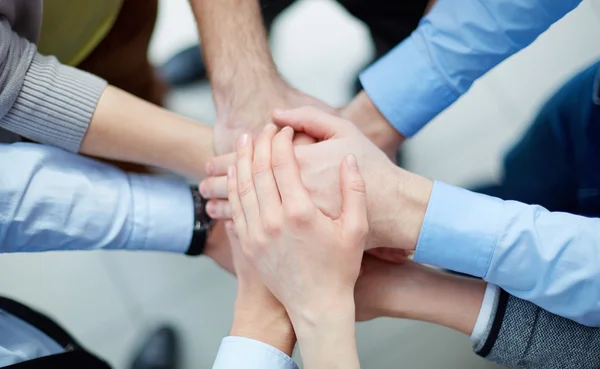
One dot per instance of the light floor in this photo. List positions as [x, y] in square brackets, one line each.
[109, 300]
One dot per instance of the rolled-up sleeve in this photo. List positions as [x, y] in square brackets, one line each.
[549, 258]
[456, 43]
[54, 200]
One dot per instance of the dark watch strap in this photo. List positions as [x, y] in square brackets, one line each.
[202, 224]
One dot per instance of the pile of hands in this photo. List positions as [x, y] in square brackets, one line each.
[308, 243]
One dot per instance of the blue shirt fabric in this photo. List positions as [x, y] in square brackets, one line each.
[549, 258]
[456, 43]
[54, 200]
[246, 353]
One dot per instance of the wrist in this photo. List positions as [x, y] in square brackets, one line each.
[263, 320]
[367, 117]
[326, 313]
[397, 211]
[243, 91]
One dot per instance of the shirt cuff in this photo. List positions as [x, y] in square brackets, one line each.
[163, 214]
[246, 353]
[485, 313]
[460, 230]
[406, 88]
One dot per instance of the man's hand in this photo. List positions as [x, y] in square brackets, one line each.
[250, 110]
[365, 115]
[217, 247]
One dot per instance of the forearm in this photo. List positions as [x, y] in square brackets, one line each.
[130, 129]
[548, 258]
[435, 297]
[365, 115]
[328, 339]
[55, 200]
[236, 49]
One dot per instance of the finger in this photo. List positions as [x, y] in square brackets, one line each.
[303, 139]
[217, 166]
[287, 173]
[219, 209]
[237, 211]
[245, 183]
[214, 188]
[354, 198]
[264, 180]
[312, 121]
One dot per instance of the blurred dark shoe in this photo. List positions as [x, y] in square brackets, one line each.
[185, 67]
[159, 351]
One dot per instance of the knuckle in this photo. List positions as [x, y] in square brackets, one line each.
[272, 227]
[299, 214]
[245, 187]
[259, 241]
[358, 185]
[260, 167]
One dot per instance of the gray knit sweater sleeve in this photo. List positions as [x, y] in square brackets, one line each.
[40, 98]
[520, 334]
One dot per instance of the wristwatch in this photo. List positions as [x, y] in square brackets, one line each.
[202, 224]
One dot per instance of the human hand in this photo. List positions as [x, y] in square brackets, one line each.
[364, 114]
[252, 110]
[397, 200]
[281, 229]
[257, 313]
[218, 248]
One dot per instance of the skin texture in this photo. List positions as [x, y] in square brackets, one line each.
[127, 128]
[412, 291]
[280, 228]
[257, 313]
[393, 194]
[246, 83]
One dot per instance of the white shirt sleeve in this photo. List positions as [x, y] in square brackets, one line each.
[246, 353]
[485, 313]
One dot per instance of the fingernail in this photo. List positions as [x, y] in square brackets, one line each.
[268, 127]
[230, 171]
[209, 168]
[230, 226]
[278, 112]
[287, 129]
[351, 162]
[243, 140]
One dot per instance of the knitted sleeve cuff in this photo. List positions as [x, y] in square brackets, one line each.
[55, 105]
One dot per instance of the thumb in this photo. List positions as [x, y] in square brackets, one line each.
[312, 121]
[354, 198]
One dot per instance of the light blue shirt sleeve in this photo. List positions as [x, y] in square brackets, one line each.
[54, 200]
[246, 353]
[456, 43]
[549, 258]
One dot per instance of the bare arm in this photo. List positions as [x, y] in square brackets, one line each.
[414, 291]
[246, 84]
[127, 128]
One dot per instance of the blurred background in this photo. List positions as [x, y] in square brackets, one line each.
[110, 300]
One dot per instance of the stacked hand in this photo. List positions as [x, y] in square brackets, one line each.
[303, 218]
